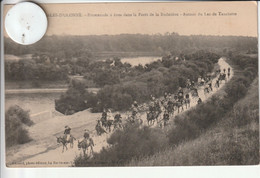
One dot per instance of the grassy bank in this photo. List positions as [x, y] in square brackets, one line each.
[233, 141]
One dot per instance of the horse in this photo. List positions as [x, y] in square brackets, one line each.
[99, 129]
[194, 93]
[84, 144]
[222, 77]
[103, 120]
[187, 102]
[166, 118]
[117, 122]
[108, 125]
[134, 120]
[179, 104]
[170, 108]
[151, 117]
[65, 142]
[217, 84]
[206, 90]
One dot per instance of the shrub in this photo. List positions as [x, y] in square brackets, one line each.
[15, 120]
[235, 91]
[76, 98]
[126, 144]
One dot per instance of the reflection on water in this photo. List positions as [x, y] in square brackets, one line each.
[140, 60]
[35, 102]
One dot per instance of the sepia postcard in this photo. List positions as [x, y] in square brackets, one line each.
[135, 84]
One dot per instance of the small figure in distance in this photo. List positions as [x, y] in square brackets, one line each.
[199, 101]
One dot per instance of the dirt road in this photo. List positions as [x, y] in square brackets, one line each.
[44, 151]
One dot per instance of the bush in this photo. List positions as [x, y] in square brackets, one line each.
[126, 144]
[76, 98]
[15, 120]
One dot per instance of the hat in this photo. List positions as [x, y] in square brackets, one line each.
[66, 126]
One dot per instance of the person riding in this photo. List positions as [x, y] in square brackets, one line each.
[210, 85]
[199, 101]
[224, 70]
[229, 70]
[109, 115]
[187, 99]
[99, 129]
[180, 90]
[104, 114]
[166, 117]
[170, 106]
[158, 106]
[134, 109]
[188, 83]
[117, 117]
[187, 96]
[165, 95]
[67, 133]
[217, 83]
[175, 97]
[202, 80]
[86, 134]
[192, 85]
[180, 94]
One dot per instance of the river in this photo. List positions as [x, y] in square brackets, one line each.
[135, 61]
[41, 100]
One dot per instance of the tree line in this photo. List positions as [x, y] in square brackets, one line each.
[69, 46]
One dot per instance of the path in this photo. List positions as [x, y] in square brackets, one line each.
[35, 154]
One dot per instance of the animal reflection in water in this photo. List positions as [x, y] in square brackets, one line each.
[85, 144]
[64, 142]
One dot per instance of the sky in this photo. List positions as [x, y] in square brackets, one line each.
[241, 21]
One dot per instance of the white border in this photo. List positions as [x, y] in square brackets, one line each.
[131, 172]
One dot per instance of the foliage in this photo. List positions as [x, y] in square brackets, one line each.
[76, 98]
[155, 80]
[15, 120]
[146, 141]
[237, 144]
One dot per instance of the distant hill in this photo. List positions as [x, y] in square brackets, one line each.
[158, 44]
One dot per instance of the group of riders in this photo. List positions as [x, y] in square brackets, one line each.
[159, 109]
[69, 139]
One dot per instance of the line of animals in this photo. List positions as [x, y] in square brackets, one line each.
[159, 110]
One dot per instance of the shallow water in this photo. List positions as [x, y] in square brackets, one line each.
[135, 61]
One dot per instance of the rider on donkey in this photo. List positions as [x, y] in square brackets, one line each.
[86, 134]
[109, 115]
[134, 109]
[199, 101]
[67, 133]
[180, 94]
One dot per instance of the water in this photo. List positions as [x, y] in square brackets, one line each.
[135, 61]
[42, 102]
[34, 102]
